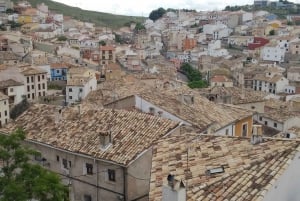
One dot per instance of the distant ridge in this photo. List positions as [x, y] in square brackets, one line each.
[99, 18]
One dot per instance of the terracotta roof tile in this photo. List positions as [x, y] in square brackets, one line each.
[33, 71]
[107, 47]
[9, 83]
[249, 170]
[239, 96]
[3, 96]
[79, 131]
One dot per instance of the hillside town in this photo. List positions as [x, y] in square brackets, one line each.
[194, 105]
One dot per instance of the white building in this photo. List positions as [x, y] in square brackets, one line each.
[217, 31]
[35, 83]
[270, 82]
[14, 90]
[78, 88]
[273, 53]
[278, 120]
[215, 49]
[4, 109]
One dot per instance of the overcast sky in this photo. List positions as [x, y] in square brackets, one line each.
[144, 7]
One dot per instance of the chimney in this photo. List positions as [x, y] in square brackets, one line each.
[187, 99]
[79, 109]
[256, 137]
[105, 138]
[174, 190]
[58, 115]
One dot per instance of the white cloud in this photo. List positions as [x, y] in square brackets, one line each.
[143, 7]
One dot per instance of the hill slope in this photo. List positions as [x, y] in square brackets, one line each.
[99, 18]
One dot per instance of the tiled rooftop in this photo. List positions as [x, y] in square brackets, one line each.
[9, 83]
[59, 65]
[3, 96]
[239, 96]
[202, 113]
[107, 47]
[220, 78]
[79, 131]
[273, 79]
[279, 110]
[78, 81]
[33, 71]
[249, 170]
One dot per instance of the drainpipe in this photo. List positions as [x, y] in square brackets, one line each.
[97, 180]
[125, 181]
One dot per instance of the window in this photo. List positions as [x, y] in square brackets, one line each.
[28, 95]
[32, 96]
[65, 163]
[87, 198]
[111, 175]
[70, 90]
[32, 86]
[28, 79]
[226, 131]
[44, 93]
[70, 97]
[266, 123]
[80, 90]
[40, 94]
[275, 125]
[43, 85]
[70, 164]
[43, 77]
[31, 78]
[39, 78]
[89, 168]
[57, 158]
[11, 89]
[39, 86]
[260, 118]
[4, 102]
[57, 71]
[245, 130]
[5, 112]
[28, 88]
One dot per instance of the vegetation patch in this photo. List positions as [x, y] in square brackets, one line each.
[194, 76]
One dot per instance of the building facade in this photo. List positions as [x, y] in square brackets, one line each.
[4, 109]
[35, 83]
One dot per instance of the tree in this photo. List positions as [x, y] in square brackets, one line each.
[139, 26]
[156, 14]
[62, 38]
[272, 32]
[102, 43]
[198, 84]
[194, 76]
[21, 180]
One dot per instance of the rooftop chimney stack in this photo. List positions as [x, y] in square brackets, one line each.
[174, 190]
[256, 137]
[105, 139]
[58, 116]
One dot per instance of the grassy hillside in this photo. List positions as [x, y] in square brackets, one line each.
[99, 18]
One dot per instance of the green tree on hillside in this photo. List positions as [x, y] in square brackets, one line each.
[156, 14]
[21, 180]
[272, 32]
[194, 76]
[139, 26]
